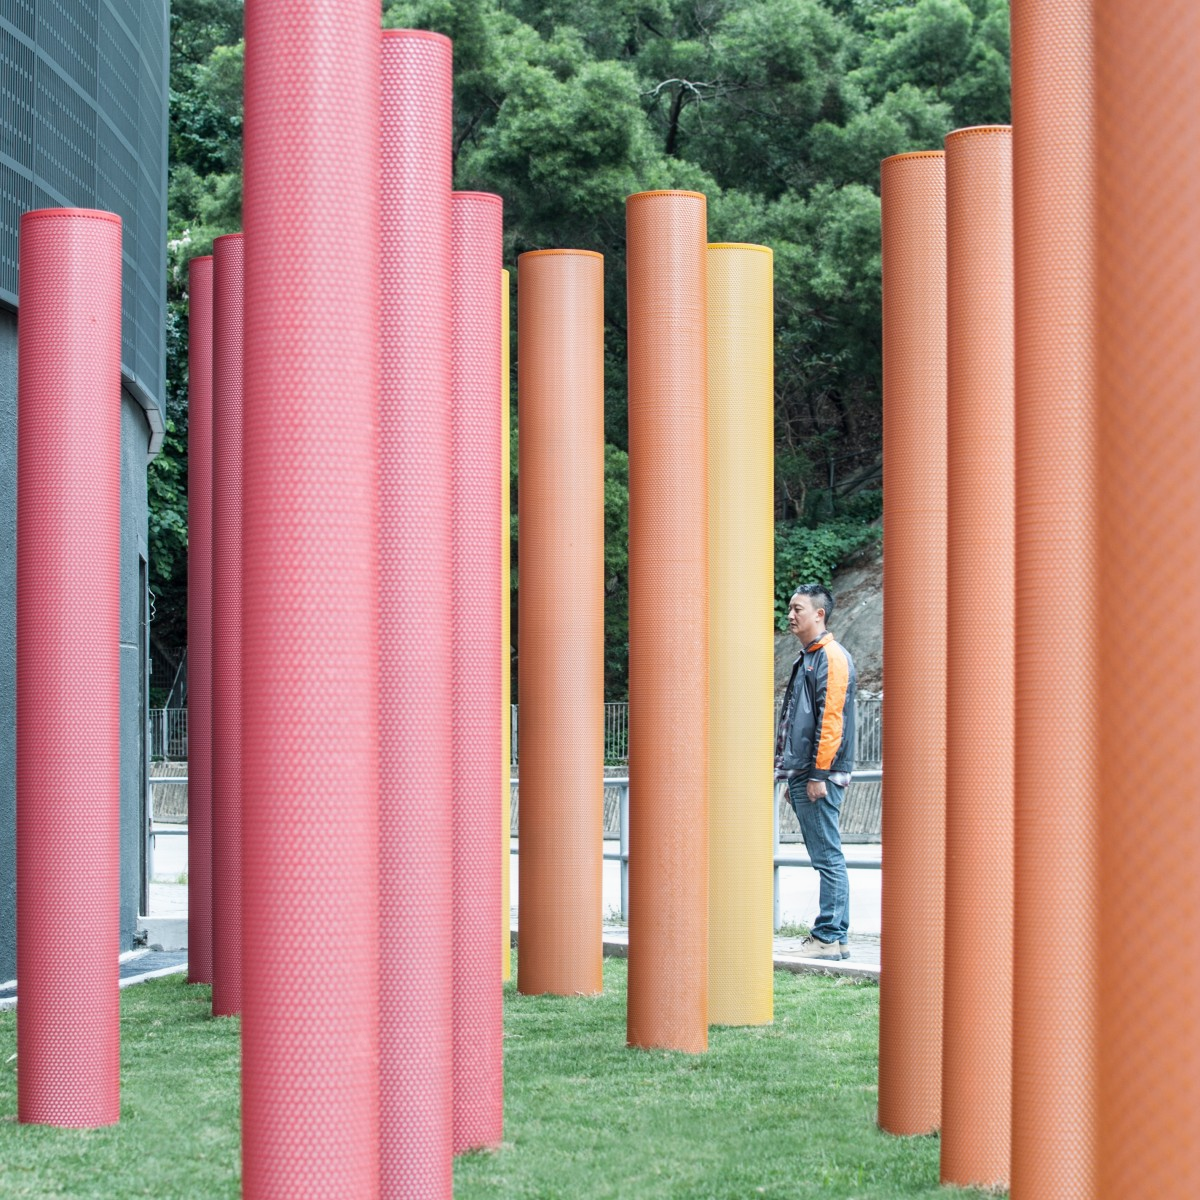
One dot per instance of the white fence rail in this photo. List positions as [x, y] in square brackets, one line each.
[169, 732]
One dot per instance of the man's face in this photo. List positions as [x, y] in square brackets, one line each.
[803, 620]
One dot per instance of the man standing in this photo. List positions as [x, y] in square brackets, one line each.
[814, 754]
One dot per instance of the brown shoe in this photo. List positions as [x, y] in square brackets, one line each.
[813, 947]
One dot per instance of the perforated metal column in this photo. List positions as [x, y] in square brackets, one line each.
[310, 612]
[505, 634]
[1149, 361]
[914, 630]
[68, 668]
[560, 388]
[476, 238]
[981, 633]
[199, 654]
[417, 612]
[741, 631]
[228, 273]
[668, 621]
[1057, 587]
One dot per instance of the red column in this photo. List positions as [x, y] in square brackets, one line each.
[476, 235]
[68, 667]
[228, 262]
[416, 716]
[310, 604]
[199, 664]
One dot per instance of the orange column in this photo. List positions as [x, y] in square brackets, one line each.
[668, 621]
[981, 632]
[560, 389]
[914, 631]
[1149, 363]
[1058, 692]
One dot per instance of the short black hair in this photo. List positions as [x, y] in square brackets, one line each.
[820, 595]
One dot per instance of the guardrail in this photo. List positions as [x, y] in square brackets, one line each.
[778, 860]
[152, 833]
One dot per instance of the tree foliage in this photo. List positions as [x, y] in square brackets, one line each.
[779, 110]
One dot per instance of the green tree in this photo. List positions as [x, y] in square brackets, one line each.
[778, 110]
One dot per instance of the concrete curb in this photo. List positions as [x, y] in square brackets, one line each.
[618, 947]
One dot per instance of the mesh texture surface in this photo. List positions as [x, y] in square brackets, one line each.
[415, 618]
[560, 361]
[668, 621]
[68, 670]
[741, 633]
[476, 240]
[1057, 576]
[228, 272]
[914, 629]
[505, 631]
[199, 692]
[977, 1030]
[1148, 100]
[310, 613]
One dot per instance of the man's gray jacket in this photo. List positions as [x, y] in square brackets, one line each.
[816, 733]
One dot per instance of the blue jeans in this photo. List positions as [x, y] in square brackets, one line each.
[819, 825]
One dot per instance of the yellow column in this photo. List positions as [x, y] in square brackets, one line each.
[741, 384]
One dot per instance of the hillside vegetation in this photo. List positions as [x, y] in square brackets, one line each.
[779, 110]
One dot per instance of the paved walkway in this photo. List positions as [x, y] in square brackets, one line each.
[863, 962]
[135, 967]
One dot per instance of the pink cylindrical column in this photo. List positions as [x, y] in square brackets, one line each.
[476, 236]
[310, 603]
[199, 653]
[227, 626]
[68, 667]
[416, 716]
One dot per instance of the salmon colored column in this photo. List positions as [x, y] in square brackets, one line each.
[228, 271]
[199, 654]
[914, 630]
[417, 612]
[1149, 361]
[668, 621]
[505, 633]
[981, 635]
[310, 603]
[1057, 589]
[741, 632]
[476, 224]
[68, 695]
[560, 323]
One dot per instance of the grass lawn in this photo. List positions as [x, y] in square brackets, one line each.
[783, 1111]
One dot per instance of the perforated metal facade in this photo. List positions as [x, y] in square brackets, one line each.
[83, 122]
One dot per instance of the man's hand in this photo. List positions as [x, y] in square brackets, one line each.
[816, 789]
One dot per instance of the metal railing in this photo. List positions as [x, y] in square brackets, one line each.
[868, 731]
[621, 854]
[168, 733]
[155, 832]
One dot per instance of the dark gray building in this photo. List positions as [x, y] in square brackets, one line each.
[83, 123]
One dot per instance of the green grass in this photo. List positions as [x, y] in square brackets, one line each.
[786, 1110]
